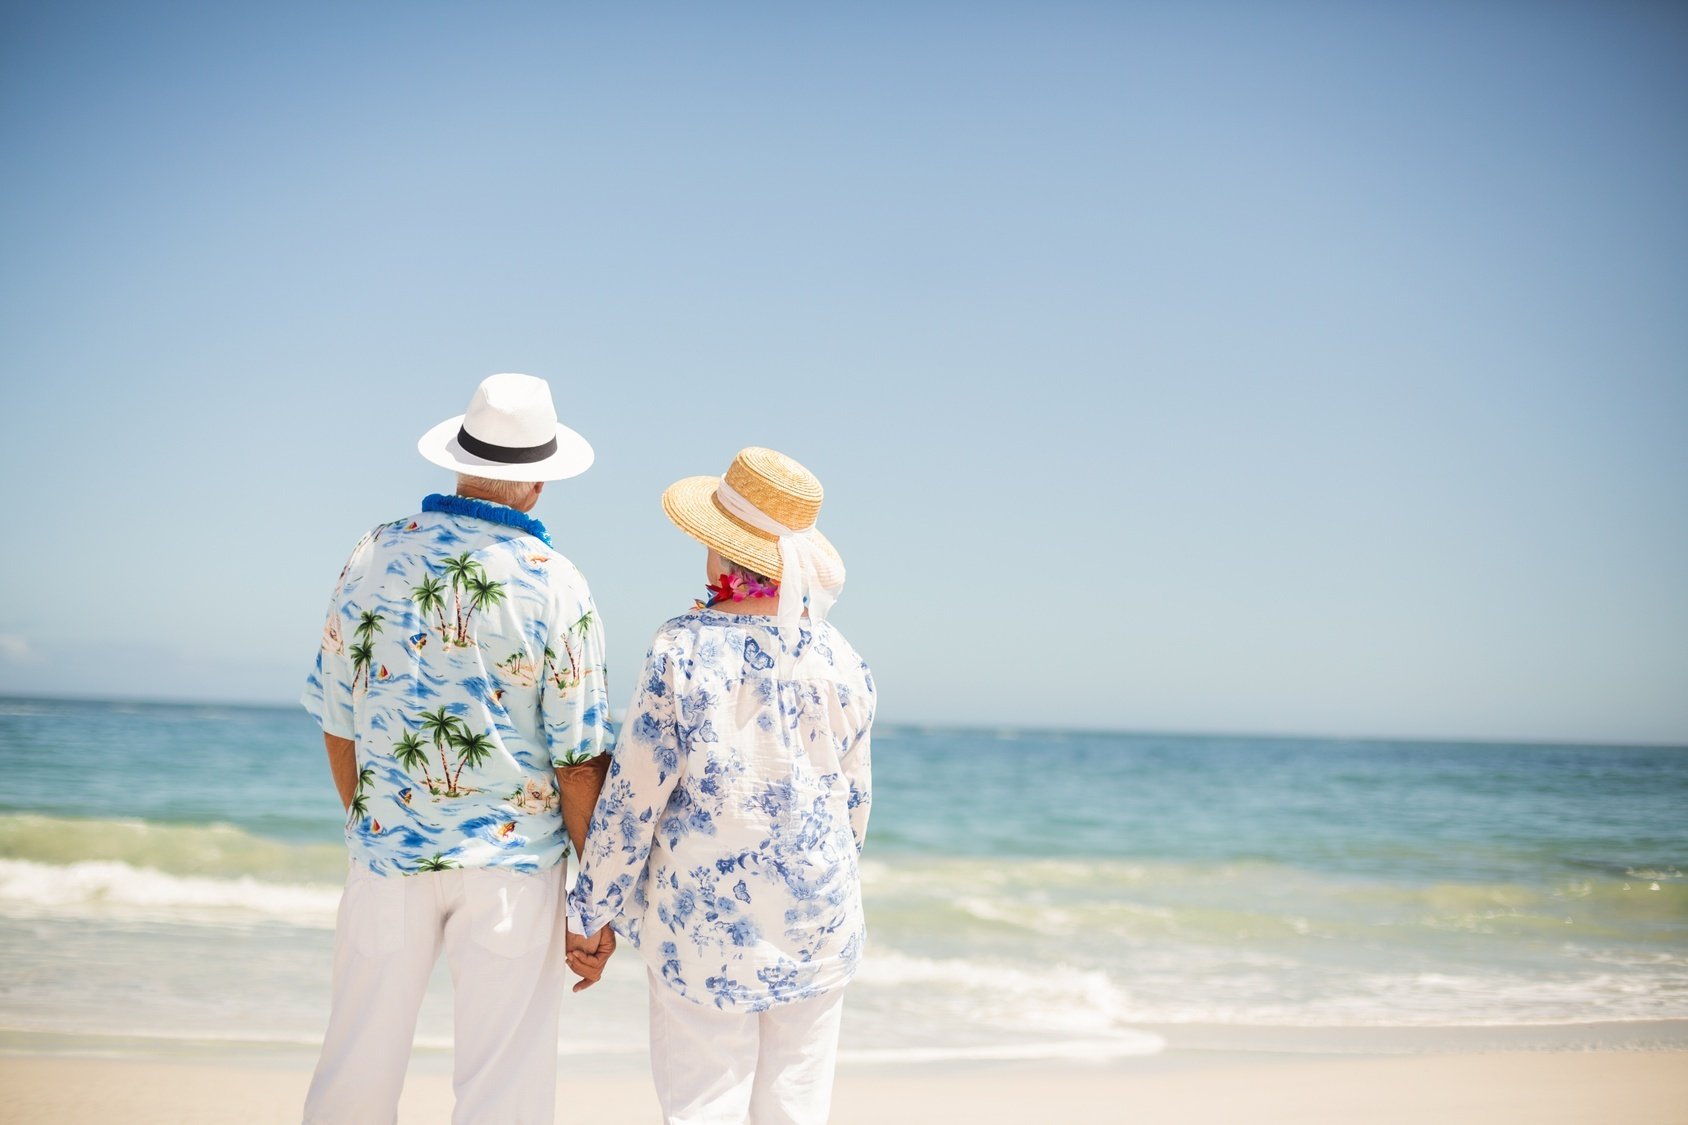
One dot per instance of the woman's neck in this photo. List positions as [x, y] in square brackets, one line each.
[753, 607]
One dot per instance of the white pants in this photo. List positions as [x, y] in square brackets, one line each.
[503, 936]
[727, 1068]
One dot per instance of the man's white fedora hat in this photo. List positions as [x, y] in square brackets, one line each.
[510, 432]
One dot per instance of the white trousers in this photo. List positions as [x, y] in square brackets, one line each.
[727, 1068]
[503, 936]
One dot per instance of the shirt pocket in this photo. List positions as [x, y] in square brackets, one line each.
[372, 907]
[512, 914]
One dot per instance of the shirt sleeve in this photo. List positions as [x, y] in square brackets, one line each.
[574, 695]
[857, 764]
[642, 775]
[328, 689]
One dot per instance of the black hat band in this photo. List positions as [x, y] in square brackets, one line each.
[504, 454]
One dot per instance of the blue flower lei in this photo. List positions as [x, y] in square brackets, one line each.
[486, 510]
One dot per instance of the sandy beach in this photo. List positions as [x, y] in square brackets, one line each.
[1538, 1087]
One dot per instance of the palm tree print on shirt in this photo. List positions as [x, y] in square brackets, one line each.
[472, 750]
[446, 730]
[577, 757]
[363, 651]
[555, 674]
[369, 624]
[441, 726]
[359, 806]
[411, 753]
[471, 590]
[484, 592]
[518, 669]
[460, 570]
[429, 597]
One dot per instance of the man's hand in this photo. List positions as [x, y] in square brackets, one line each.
[588, 955]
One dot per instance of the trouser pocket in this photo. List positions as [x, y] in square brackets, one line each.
[511, 914]
[372, 911]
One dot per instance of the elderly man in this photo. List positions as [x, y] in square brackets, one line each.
[460, 689]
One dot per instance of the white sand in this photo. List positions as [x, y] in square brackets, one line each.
[1535, 1087]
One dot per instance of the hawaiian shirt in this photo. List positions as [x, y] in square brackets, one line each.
[726, 839]
[463, 655]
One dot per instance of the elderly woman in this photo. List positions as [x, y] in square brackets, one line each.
[725, 843]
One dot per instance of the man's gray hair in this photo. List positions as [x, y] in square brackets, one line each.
[505, 492]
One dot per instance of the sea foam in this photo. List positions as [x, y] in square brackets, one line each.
[104, 887]
[216, 850]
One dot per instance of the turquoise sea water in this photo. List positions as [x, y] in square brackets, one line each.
[172, 872]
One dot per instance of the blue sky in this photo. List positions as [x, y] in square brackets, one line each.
[1259, 367]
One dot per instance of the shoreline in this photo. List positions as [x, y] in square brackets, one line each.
[1183, 1047]
[1195, 1040]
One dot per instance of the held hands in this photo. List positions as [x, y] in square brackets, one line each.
[588, 955]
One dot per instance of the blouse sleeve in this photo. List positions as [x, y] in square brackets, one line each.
[643, 771]
[857, 764]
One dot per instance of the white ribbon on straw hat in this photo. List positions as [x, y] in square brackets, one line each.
[804, 564]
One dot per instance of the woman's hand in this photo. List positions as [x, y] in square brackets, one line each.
[587, 956]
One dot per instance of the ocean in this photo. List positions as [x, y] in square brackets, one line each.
[169, 876]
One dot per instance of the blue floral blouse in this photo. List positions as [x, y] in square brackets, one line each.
[725, 843]
[463, 655]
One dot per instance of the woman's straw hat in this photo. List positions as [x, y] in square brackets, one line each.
[781, 490]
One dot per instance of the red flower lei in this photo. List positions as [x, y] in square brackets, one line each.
[736, 588]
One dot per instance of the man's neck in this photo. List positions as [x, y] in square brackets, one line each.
[471, 494]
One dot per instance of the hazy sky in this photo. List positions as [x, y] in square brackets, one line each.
[1259, 367]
